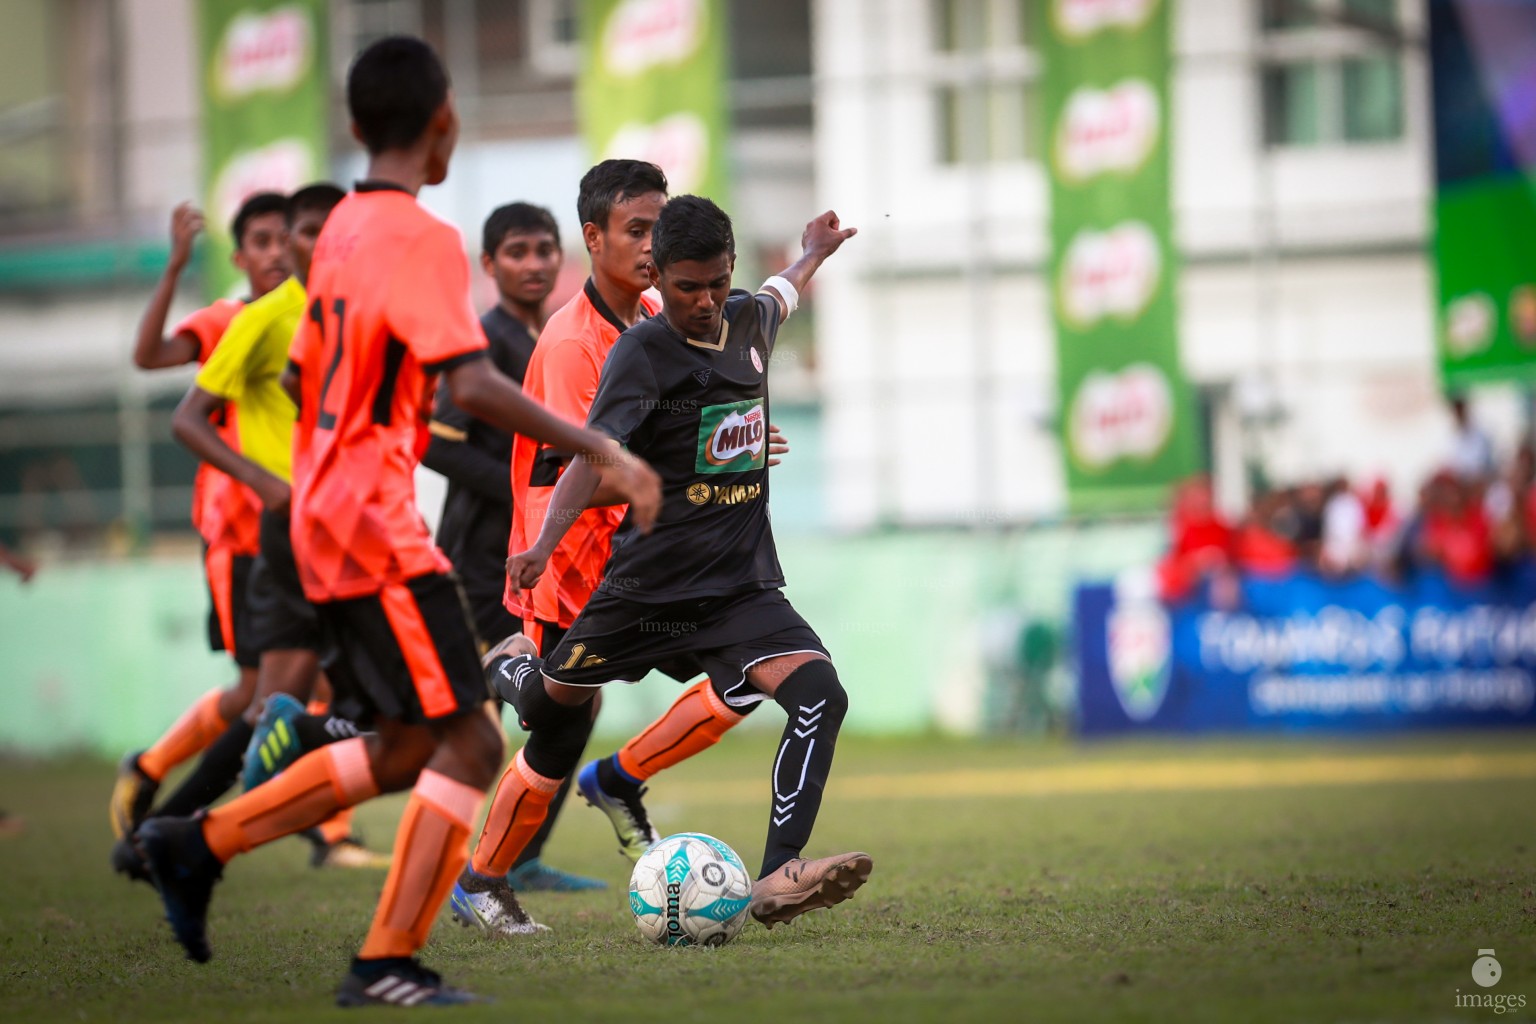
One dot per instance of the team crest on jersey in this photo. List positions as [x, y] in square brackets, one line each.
[732, 438]
[757, 361]
[702, 376]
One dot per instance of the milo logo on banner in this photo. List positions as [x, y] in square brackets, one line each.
[679, 145]
[1107, 130]
[1081, 18]
[732, 438]
[263, 51]
[1110, 273]
[644, 33]
[1120, 415]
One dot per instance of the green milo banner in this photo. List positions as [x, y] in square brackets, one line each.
[1485, 189]
[1127, 416]
[266, 91]
[653, 87]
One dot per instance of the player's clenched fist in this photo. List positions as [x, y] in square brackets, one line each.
[186, 225]
[824, 235]
[524, 570]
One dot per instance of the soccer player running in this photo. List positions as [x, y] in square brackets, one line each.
[243, 375]
[688, 391]
[388, 309]
[223, 512]
[521, 253]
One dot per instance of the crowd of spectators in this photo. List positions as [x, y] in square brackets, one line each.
[1471, 517]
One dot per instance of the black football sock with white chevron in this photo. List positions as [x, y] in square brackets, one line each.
[815, 703]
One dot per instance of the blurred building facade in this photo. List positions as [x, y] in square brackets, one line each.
[1301, 199]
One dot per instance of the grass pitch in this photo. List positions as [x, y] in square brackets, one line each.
[1301, 881]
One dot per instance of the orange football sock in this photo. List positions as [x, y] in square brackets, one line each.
[430, 850]
[694, 722]
[337, 827]
[313, 788]
[198, 726]
[517, 810]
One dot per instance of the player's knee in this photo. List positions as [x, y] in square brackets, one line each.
[558, 732]
[398, 755]
[814, 685]
[509, 675]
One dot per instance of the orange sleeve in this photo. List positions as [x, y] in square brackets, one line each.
[429, 307]
[207, 326]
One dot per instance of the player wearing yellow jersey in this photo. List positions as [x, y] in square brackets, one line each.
[244, 374]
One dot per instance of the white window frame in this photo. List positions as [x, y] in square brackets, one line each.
[977, 71]
[547, 55]
[1328, 45]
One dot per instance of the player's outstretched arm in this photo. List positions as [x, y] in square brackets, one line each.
[573, 494]
[481, 390]
[822, 237]
[151, 349]
[191, 427]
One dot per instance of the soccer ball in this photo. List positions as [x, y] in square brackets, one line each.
[690, 890]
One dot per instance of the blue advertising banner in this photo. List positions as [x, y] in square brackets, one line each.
[1305, 653]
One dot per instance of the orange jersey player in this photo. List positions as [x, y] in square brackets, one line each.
[389, 312]
[618, 202]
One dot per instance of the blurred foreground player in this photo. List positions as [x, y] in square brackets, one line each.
[223, 512]
[388, 309]
[688, 390]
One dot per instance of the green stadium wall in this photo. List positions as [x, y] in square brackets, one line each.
[101, 657]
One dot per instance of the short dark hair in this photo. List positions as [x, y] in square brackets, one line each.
[322, 196]
[393, 89]
[516, 219]
[258, 204]
[691, 228]
[612, 182]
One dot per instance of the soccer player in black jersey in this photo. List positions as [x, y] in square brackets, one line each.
[520, 250]
[688, 390]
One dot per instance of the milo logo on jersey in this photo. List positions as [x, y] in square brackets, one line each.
[732, 438]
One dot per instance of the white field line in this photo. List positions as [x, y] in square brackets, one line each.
[1135, 777]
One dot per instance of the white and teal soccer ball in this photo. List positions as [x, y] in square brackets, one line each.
[690, 890]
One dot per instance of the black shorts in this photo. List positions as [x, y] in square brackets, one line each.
[614, 639]
[282, 619]
[546, 635]
[229, 612]
[407, 653]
